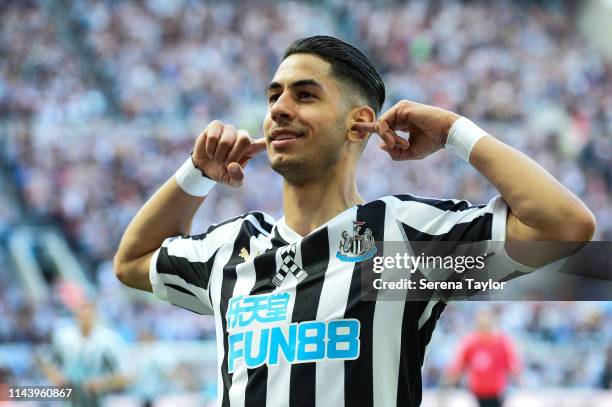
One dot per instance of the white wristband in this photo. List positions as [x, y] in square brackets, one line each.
[462, 137]
[192, 180]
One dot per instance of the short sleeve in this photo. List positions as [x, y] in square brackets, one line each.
[498, 255]
[180, 269]
[441, 228]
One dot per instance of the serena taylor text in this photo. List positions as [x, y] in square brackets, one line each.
[425, 284]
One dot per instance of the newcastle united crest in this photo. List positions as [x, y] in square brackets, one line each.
[356, 247]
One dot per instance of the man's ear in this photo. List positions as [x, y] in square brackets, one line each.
[362, 114]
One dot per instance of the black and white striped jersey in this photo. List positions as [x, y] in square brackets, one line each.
[292, 328]
[82, 358]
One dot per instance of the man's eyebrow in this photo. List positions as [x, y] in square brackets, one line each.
[301, 82]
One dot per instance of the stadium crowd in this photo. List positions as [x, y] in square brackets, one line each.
[523, 73]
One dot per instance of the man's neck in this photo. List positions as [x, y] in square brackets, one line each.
[310, 205]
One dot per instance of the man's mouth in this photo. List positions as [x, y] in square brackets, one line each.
[284, 134]
[283, 137]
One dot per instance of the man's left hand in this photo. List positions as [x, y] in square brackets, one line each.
[427, 126]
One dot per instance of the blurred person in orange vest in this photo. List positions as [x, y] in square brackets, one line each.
[489, 358]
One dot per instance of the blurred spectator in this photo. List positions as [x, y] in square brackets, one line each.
[88, 358]
[606, 374]
[534, 82]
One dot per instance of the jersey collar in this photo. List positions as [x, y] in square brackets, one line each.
[288, 234]
[291, 236]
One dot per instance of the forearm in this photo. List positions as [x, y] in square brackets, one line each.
[534, 196]
[167, 213]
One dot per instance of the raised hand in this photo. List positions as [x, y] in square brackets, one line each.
[427, 126]
[222, 152]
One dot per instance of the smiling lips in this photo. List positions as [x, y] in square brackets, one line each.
[283, 137]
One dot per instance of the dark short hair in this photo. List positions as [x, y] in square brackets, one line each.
[348, 64]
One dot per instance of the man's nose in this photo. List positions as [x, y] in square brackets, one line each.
[283, 109]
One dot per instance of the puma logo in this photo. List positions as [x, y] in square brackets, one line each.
[244, 253]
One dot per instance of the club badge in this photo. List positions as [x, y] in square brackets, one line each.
[358, 247]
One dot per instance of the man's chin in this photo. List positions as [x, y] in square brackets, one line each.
[291, 169]
[283, 163]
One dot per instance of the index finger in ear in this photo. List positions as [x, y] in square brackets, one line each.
[256, 147]
[371, 127]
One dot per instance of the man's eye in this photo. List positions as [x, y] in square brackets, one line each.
[305, 95]
[272, 98]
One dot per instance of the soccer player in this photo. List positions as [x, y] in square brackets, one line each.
[89, 358]
[292, 328]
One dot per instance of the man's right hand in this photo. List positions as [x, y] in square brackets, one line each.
[222, 152]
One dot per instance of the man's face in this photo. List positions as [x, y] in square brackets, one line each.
[306, 121]
[85, 316]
